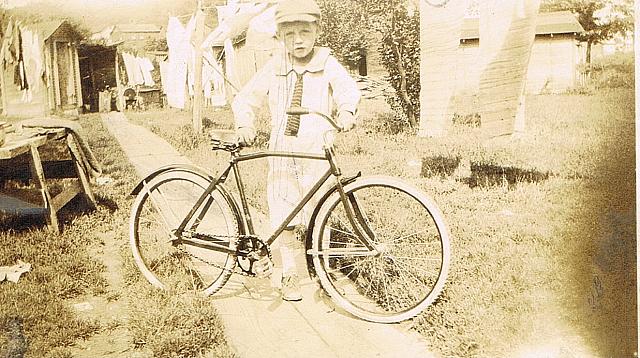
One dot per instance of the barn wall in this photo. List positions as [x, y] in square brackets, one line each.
[552, 67]
[553, 64]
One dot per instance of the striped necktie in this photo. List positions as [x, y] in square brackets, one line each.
[293, 120]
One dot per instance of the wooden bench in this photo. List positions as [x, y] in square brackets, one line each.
[12, 167]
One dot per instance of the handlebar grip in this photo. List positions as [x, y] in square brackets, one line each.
[298, 111]
[303, 110]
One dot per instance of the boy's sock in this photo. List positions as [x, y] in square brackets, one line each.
[290, 284]
[287, 252]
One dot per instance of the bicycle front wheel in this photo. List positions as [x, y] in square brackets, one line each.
[168, 263]
[406, 270]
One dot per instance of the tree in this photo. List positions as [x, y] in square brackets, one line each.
[400, 50]
[401, 57]
[601, 19]
[344, 28]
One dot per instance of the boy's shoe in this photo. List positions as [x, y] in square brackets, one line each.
[291, 288]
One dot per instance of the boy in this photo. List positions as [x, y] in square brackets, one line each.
[304, 75]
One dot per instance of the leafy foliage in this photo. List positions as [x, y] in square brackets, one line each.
[601, 19]
[347, 26]
[344, 28]
[400, 51]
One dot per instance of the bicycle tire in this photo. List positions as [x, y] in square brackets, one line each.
[410, 271]
[157, 210]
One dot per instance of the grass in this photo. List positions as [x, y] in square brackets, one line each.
[36, 316]
[171, 325]
[544, 261]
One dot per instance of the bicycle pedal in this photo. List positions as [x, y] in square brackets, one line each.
[263, 267]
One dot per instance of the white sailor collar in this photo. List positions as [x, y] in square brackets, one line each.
[317, 63]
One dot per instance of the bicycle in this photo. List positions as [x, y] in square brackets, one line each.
[379, 246]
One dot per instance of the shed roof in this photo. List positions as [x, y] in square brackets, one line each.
[557, 22]
[47, 28]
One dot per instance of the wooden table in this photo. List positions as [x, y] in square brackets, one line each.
[39, 172]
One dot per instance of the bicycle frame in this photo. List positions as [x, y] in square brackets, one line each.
[354, 215]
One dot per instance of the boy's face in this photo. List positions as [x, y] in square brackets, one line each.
[299, 37]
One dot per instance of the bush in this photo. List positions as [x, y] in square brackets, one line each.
[614, 71]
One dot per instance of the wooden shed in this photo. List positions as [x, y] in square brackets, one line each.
[40, 71]
[555, 58]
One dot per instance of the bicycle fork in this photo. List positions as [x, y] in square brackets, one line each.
[357, 218]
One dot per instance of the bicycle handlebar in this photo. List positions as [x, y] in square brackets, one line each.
[232, 146]
[299, 111]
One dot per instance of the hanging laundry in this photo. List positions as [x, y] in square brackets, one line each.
[178, 41]
[32, 61]
[147, 67]
[164, 68]
[37, 60]
[216, 80]
[230, 55]
[8, 40]
[19, 77]
[137, 62]
[132, 66]
[14, 45]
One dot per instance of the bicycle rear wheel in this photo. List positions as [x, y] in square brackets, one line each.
[165, 262]
[408, 268]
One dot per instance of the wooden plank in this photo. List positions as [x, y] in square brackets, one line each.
[38, 174]
[78, 157]
[15, 146]
[56, 76]
[76, 66]
[70, 192]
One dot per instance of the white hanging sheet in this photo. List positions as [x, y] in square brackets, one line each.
[178, 41]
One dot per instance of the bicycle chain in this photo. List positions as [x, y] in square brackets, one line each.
[233, 271]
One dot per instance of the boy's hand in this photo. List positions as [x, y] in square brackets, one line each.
[245, 135]
[346, 120]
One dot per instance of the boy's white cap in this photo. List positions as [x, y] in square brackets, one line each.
[297, 10]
